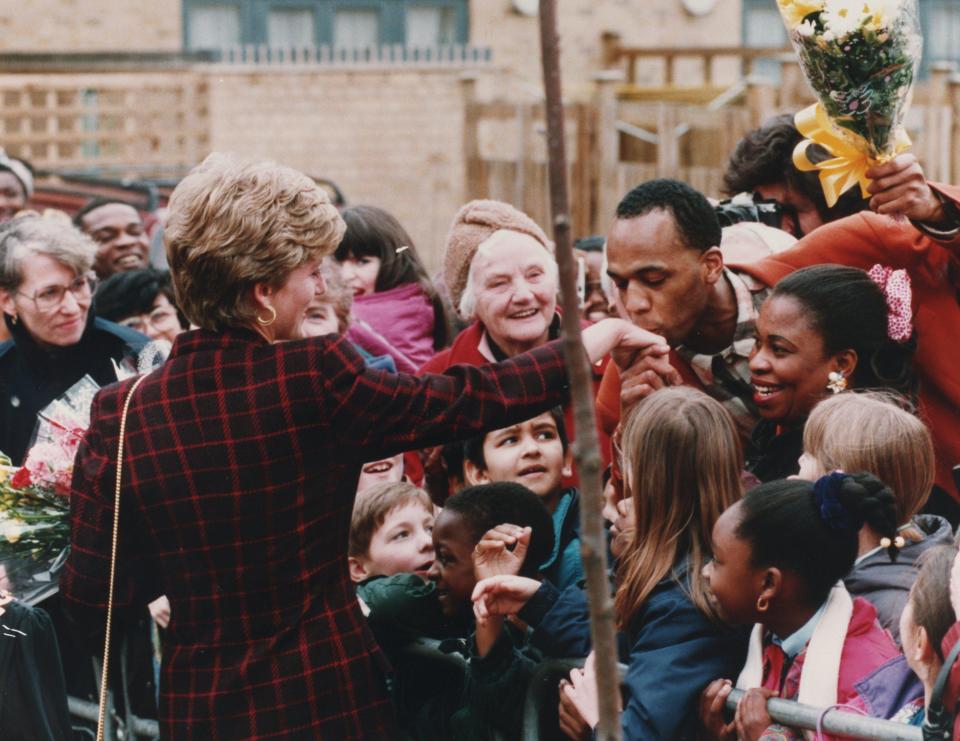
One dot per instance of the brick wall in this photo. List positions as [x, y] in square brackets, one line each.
[515, 38]
[155, 25]
[388, 136]
[392, 138]
[53, 26]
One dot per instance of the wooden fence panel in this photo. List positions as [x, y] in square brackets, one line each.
[522, 179]
[97, 121]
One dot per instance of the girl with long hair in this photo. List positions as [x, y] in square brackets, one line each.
[682, 463]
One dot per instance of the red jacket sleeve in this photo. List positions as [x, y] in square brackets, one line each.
[860, 241]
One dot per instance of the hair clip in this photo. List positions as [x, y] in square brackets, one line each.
[898, 293]
[831, 510]
[898, 542]
[401, 249]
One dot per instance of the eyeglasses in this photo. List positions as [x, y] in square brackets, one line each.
[155, 319]
[50, 298]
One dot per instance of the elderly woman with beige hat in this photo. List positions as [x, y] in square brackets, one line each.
[502, 276]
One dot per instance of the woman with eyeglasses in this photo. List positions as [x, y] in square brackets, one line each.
[46, 288]
[142, 300]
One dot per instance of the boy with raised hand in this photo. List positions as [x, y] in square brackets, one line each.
[536, 453]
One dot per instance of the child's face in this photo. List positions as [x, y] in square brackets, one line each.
[530, 453]
[453, 568]
[360, 273]
[376, 472]
[403, 544]
[733, 583]
[320, 319]
[910, 639]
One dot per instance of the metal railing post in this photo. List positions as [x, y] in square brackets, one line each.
[836, 721]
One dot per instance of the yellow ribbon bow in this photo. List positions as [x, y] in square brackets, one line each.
[848, 165]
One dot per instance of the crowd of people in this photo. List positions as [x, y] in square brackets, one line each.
[349, 502]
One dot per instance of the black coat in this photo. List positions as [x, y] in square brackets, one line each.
[772, 453]
[33, 697]
[32, 376]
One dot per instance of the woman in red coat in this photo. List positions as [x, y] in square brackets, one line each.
[241, 463]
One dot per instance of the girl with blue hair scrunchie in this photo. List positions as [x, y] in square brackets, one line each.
[779, 556]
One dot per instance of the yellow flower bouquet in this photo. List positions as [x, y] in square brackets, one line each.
[861, 59]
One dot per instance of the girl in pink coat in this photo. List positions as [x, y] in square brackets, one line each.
[391, 290]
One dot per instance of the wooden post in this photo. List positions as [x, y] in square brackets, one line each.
[955, 127]
[668, 60]
[523, 154]
[793, 85]
[609, 50]
[936, 152]
[472, 167]
[668, 159]
[586, 449]
[940, 73]
[761, 99]
[607, 158]
[582, 179]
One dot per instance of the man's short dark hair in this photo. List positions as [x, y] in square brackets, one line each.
[485, 506]
[764, 156]
[93, 204]
[694, 216]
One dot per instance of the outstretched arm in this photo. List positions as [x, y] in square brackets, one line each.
[383, 413]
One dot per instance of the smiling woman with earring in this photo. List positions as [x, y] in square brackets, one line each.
[823, 330]
[46, 289]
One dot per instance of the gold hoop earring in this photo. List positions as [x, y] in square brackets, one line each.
[267, 322]
[762, 604]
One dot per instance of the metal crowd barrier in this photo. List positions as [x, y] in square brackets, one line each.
[835, 722]
[540, 710]
[129, 727]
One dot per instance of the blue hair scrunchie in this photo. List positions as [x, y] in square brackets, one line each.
[825, 492]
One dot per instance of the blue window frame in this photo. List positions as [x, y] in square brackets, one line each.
[219, 23]
[940, 20]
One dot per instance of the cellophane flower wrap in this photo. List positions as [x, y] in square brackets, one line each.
[861, 58]
[35, 498]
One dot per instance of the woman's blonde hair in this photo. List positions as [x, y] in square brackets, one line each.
[682, 463]
[50, 235]
[874, 432]
[232, 224]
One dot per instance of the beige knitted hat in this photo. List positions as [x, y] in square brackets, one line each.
[474, 224]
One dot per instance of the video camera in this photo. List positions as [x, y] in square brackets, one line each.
[753, 207]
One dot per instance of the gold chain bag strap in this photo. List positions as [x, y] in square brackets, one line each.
[113, 561]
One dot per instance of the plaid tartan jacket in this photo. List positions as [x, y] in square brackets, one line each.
[240, 469]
